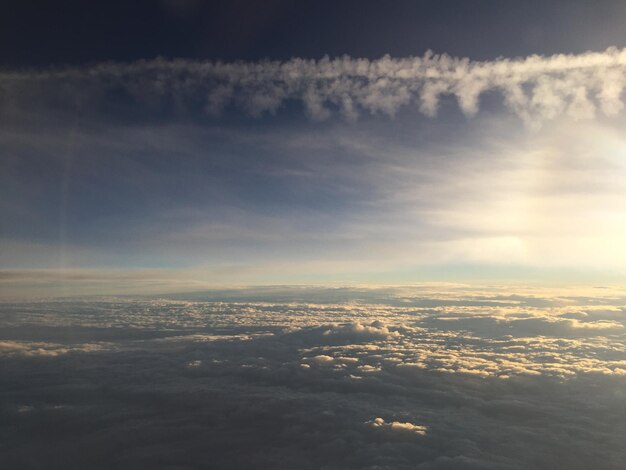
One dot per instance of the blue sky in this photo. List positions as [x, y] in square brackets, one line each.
[231, 161]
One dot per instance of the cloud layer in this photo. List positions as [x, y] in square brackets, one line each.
[535, 88]
[445, 377]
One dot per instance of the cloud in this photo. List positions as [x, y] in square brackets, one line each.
[535, 88]
[398, 427]
[29, 349]
[283, 203]
[359, 332]
[251, 379]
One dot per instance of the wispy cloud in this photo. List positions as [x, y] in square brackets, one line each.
[495, 196]
[535, 88]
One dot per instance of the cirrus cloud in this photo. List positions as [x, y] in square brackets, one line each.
[535, 88]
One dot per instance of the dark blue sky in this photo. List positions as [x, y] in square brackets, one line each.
[78, 32]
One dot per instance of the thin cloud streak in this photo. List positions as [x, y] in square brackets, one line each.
[536, 88]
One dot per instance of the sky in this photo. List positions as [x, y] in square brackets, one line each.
[314, 234]
[179, 145]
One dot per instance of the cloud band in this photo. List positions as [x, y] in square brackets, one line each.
[535, 88]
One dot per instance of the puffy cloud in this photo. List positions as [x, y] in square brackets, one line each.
[412, 377]
[30, 349]
[398, 427]
[535, 88]
[358, 331]
[322, 359]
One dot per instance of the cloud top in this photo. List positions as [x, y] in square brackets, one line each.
[431, 376]
[395, 426]
[535, 88]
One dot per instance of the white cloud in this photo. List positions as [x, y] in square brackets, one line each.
[535, 88]
[431, 376]
[45, 349]
[396, 426]
[322, 359]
